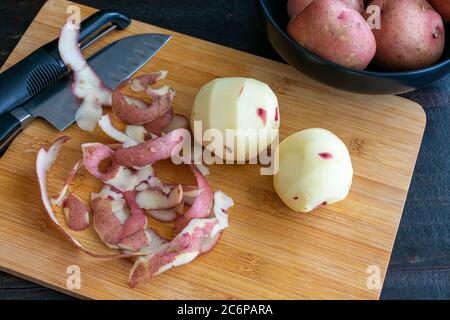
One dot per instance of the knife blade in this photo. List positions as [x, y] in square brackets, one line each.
[57, 104]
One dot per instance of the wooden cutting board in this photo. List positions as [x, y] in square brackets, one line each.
[269, 252]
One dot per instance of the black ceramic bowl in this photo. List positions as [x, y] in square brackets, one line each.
[370, 81]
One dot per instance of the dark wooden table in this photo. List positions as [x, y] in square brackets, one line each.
[420, 264]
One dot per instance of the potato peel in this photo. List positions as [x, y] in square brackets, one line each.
[131, 193]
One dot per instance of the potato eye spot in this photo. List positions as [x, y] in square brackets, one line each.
[261, 113]
[326, 155]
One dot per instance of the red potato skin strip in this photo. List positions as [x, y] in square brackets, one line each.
[170, 200]
[134, 242]
[130, 113]
[190, 193]
[87, 84]
[140, 83]
[120, 177]
[155, 241]
[201, 207]
[93, 155]
[59, 198]
[71, 55]
[163, 256]
[77, 213]
[178, 121]
[69, 36]
[106, 125]
[167, 123]
[130, 237]
[158, 124]
[199, 237]
[163, 215]
[210, 243]
[98, 90]
[189, 242]
[137, 220]
[46, 156]
[150, 151]
[106, 224]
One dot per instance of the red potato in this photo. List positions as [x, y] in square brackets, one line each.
[411, 36]
[335, 32]
[443, 8]
[358, 5]
[294, 7]
[297, 6]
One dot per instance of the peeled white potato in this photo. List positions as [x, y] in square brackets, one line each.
[236, 103]
[315, 169]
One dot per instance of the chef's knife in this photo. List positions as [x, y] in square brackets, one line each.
[43, 67]
[57, 104]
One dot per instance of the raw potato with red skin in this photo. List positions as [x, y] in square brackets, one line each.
[336, 32]
[294, 7]
[412, 35]
[120, 209]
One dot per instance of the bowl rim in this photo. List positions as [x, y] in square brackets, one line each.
[297, 46]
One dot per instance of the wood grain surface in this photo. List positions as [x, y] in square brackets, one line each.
[269, 251]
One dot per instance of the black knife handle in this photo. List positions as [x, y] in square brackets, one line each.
[10, 127]
[27, 78]
[43, 67]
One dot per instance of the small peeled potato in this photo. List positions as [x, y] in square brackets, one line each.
[315, 169]
[240, 105]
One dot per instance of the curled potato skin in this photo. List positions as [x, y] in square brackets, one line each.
[135, 111]
[150, 151]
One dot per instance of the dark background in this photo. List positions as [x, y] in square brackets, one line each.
[420, 263]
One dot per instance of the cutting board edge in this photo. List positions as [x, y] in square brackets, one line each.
[74, 294]
[48, 285]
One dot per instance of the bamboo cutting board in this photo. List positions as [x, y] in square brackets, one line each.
[269, 252]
